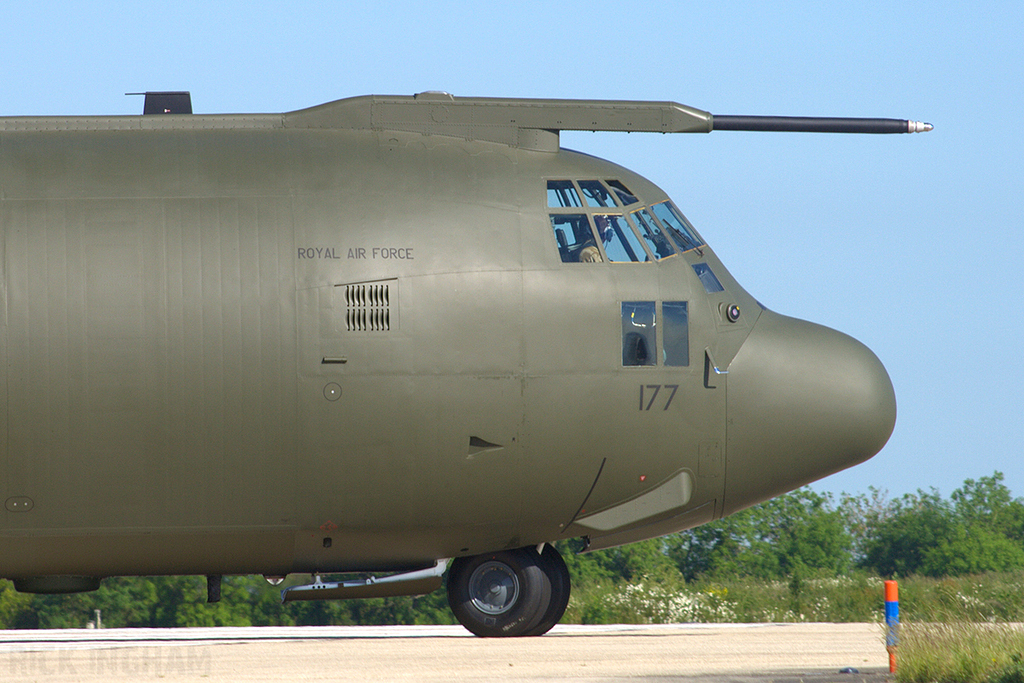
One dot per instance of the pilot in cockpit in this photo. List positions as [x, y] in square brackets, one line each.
[604, 229]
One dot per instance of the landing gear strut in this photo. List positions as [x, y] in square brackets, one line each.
[509, 593]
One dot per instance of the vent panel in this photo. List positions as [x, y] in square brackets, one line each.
[368, 307]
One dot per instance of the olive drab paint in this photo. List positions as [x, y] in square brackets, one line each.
[378, 335]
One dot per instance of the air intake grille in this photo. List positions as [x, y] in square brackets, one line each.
[368, 307]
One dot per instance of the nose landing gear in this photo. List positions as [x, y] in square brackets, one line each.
[509, 593]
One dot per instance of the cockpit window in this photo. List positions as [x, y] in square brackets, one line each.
[676, 225]
[651, 233]
[624, 195]
[562, 194]
[675, 316]
[596, 195]
[639, 338]
[591, 226]
[707, 278]
[619, 241]
[576, 243]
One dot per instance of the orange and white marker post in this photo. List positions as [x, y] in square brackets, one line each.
[892, 621]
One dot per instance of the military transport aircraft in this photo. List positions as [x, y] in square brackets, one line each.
[390, 335]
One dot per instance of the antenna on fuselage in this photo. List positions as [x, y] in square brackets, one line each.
[535, 124]
[165, 102]
[817, 124]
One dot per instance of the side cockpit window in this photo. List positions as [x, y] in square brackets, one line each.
[677, 333]
[640, 333]
[707, 278]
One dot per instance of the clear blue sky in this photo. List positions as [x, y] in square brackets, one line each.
[912, 244]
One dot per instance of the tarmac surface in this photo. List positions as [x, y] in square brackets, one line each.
[695, 653]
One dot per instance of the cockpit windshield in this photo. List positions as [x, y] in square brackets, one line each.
[624, 195]
[676, 225]
[652, 234]
[562, 194]
[597, 221]
[618, 239]
[596, 194]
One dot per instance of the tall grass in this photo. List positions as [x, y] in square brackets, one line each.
[960, 652]
[843, 599]
[962, 630]
[855, 598]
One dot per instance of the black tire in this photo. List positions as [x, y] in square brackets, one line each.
[502, 594]
[557, 573]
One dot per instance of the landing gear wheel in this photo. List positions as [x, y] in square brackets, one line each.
[499, 594]
[558, 575]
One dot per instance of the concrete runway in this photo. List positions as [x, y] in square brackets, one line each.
[713, 653]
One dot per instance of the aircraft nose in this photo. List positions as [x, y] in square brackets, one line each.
[804, 401]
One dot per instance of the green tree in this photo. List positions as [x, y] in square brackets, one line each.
[15, 607]
[987, 503]
[800, 532]
[901, 535]
[624, 563]
[976, 550]
[979, 529]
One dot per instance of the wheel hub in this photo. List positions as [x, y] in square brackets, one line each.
[494, 588]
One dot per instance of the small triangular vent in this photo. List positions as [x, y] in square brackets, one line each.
[478, 445]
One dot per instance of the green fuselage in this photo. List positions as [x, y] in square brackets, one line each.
[235, 346]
